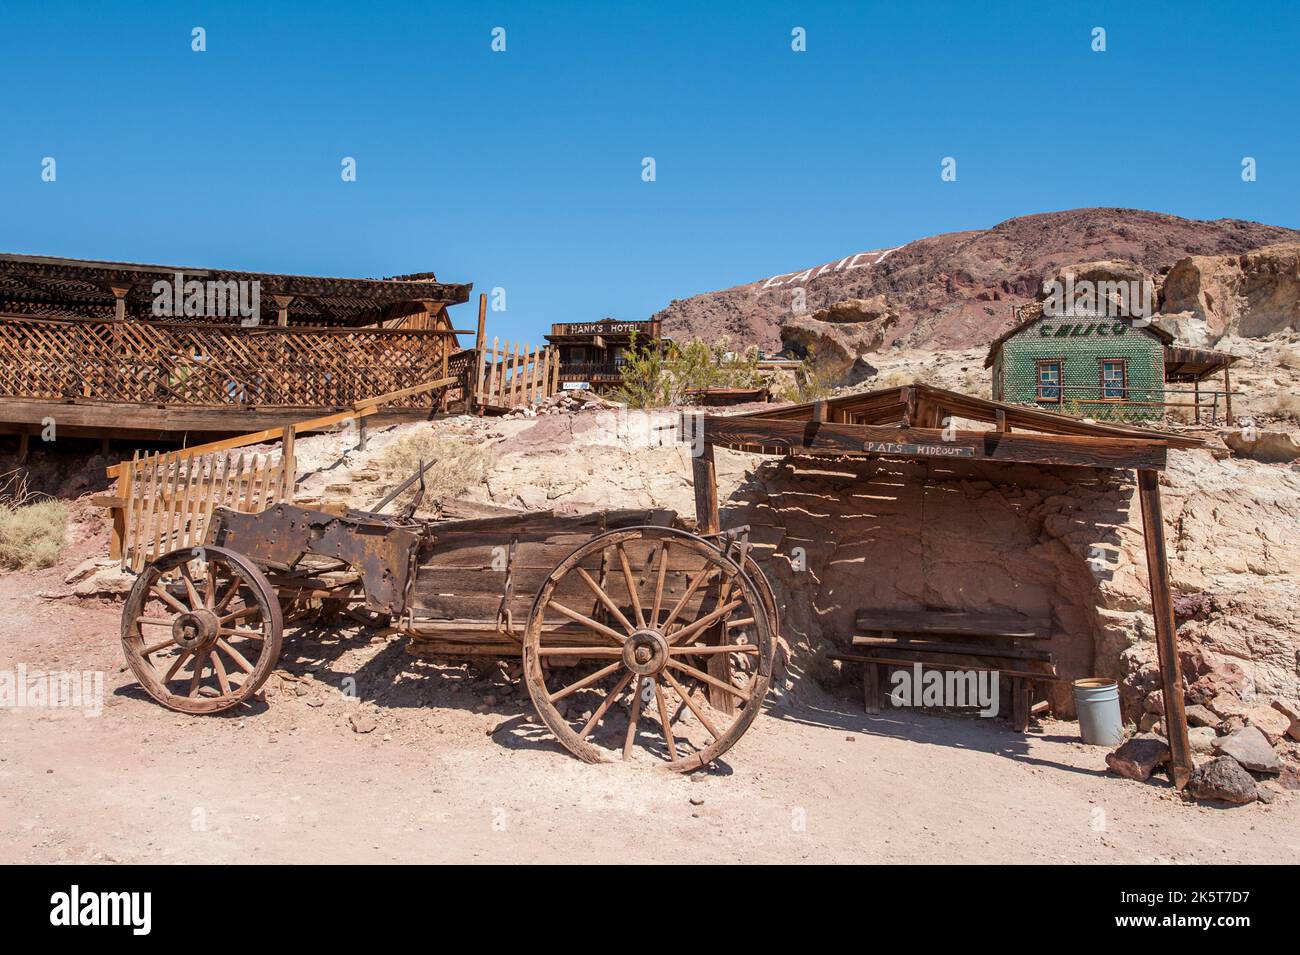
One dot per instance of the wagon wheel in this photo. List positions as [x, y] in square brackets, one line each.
[640, 643]
[201, 629]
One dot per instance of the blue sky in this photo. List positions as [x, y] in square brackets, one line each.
[522, 169]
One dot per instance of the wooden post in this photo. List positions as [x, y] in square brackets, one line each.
[1227, 396]
[288, 465]
[282, 303]
[119, 305]
[1196, 398]
[871, 688]
[1162, 610]
[705, 476]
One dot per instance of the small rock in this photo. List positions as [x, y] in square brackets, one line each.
[362, 723]
[1138, 758]
[851, 739]
[1150, 723]
[1274, 724]
[302, 689]
[1267, 792]
[1155, 703]
[1201, 739]
[1223, 779]
[1249, 747]
[1198, 715]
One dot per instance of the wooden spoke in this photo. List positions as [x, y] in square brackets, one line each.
[580, 651]
[240, 614]
[741, 622]
[209, 584]
[586, 681]
[220, 669]
[686, 698]
[604, 598]
[196, 601]
[150, 651]
[168, 599]
[235, 655]
[637, 689]
[154, 622]
[711, 680]
[659, 585]
[694, 650]
[631, 585]
[199, 664]
[704, 622]
[176, 665]
[586, 621]
[605, 705]
[236, 632]
[226, 597]
[665, 722]
[694, 585]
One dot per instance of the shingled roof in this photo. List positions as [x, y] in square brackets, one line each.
[55, 287]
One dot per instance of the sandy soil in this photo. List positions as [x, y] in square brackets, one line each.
[446, 777]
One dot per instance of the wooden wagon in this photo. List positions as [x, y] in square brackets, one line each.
[636, 636]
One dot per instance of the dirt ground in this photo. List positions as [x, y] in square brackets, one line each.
[457, 769]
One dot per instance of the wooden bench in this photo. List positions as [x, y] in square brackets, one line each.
[1011, 644]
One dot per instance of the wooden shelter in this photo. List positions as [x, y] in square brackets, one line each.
[922, 423]
[114, 349]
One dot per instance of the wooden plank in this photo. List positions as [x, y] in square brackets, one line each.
[930, 444]
[1162, 611]
[935, 646]
[951, 661]
[956, 623]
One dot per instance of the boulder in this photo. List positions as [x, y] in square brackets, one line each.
[1253, 294]
[1224, 780]
[1270, 447]
[1155, 703]
[838, 336]
[1138, 757]
[1249, 747]
[1198, 715]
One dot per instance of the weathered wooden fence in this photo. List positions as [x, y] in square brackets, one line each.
[512, 376]
[167, 499]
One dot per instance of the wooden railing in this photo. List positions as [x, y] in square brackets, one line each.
[205, 365]
[512, 379]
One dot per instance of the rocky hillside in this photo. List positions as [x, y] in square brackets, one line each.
[957, 290]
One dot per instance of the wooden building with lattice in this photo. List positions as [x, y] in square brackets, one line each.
[115, 349]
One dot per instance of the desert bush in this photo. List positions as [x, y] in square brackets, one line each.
[814, 379]
[1286, 405]
[661, 374]
[458, 464]
[31, 534]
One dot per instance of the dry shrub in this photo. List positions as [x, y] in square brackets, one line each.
[458, 464]
[1286, 405]
[31, 534]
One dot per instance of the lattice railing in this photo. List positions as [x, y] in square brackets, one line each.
[170, 363]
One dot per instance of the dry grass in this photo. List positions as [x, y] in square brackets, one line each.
[31, 534]
[1286, 405]
[458, 465]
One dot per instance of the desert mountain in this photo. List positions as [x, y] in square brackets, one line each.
[957, 290]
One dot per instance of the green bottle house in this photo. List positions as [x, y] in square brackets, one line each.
[1090, 365]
